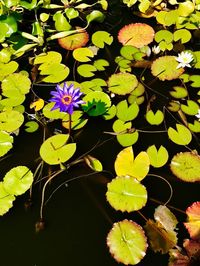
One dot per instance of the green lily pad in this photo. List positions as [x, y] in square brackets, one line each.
[194, 127]
[92, 85]
[14, 101]
[125, 112]
[10, 120]
[110, 113]
[18, 180]
[174, 106]
[159, 157]
[164, 35]
[191, 108]
[183, 35]
[6, 200]
[122, 83]
[100, 38]
[54, 150]
[83, 54]
[186, 166]
[178, 92]
[48, 57]
[128, 51]
[6, 142]
[127, 242]
[165, 46]
[125, 139]
[195, 81]
[96, 103]
[77, 120]
[52, 114]
[61, 23]
[165, 68]
[125, 193]
[16, 83]
[101, 64]
[180, 136]
[154, 118]
[6, 69]
[167, 18]
[31, 126]
[86, 70]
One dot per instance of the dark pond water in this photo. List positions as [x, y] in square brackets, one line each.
[78, 217]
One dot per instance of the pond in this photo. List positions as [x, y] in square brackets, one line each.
[93, 176]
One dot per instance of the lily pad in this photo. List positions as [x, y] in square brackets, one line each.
[125, 112]
[6, 200]
[122, 83]
[126, 164]
[54, 150]
[186, 166]
[75, 40]
[100, 38]
[6, 142]
[86, 70]
[125, 193]
[6, 69]
[10, 120]
[127, 242]
[178, 92]
[193, 223]
[165, 68]
[154, 118]
[136, 34]
[159, 157]
[83, 54]
[181, 136]
[191, 108]
[18, 180]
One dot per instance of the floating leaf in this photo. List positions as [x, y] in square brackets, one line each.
[136, 34]
[10, 120]
[194, 127]
[178, 92]
[95, 15]
[164, 35]
[186, 166]
[191, 108]
[125, 139]
[122, 83]
[195, 81]
[126, 165]
[183, 35]
[61, 23]
[54, 150]
[6, 69]
[52, 114]
[6, 142]
[125, 193]
[165, 68]
[86, 70]
[100, 38]
[159, 157]
[92, 85]
[125, 112]
[100, 64]
[18, 180]
[160, 239]
[6, 200]
[82, 54]
[16, 83]
[48, 57]
[110, 113]
[193, 223]
[77, 120]
[154, 119]
[167, 18]
[31, 126]
[96, 103]
[93, 163]
[128, 51]
[174, 106]
[181, 136]
[185, 9]
[165, 217]
[127, 242]
[75, 40]
[37, 105]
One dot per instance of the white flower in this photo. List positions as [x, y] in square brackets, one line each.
[156, 49]
[198, 114]
[184, 59]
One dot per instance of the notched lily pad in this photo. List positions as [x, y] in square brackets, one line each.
[6, 142]
[186, 166]
[6, 200]
[127, 242]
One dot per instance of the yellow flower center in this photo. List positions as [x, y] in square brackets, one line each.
[66, 99]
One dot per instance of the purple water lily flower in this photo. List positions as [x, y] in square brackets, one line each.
[66, 98]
